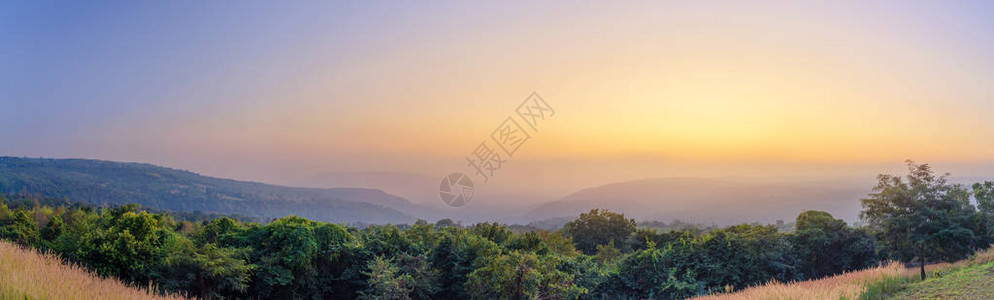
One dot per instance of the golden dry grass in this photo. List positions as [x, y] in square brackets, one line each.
[26, 274]
[983, 257]
[844, 286]
[966, 279]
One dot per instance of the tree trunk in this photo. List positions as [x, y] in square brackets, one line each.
[921, 259]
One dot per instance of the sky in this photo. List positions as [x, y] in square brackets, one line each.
[284, 92]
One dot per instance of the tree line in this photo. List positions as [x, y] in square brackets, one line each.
[600, 255]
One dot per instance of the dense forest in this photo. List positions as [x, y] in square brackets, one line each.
[600, 255]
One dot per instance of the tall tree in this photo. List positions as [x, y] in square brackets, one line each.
[920, 215]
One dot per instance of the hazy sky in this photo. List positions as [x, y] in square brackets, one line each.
[279, 92]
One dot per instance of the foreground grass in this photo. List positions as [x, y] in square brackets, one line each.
[844, 286]
[26, 274]
[973, 282]
[968, 279]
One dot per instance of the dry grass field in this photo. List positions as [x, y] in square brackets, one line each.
[844, 286]
[967, 279]
[26, 274]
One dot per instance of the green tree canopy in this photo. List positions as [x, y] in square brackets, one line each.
[598, 227]
[825, 246]
[922, 215]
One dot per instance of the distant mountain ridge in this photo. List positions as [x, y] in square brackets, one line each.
[111, 183]
[724, 201]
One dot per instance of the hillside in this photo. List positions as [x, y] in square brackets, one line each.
[706, 200]
[110, 183]
[844, 286]
[966, 279]
[25, 274]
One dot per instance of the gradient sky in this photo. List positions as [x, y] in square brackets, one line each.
[279, 92]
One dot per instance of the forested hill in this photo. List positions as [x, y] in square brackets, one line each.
[110, 183]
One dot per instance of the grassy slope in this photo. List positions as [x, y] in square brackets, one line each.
[974, 282]
[968, 279]
[844, 286]
[25, 274]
